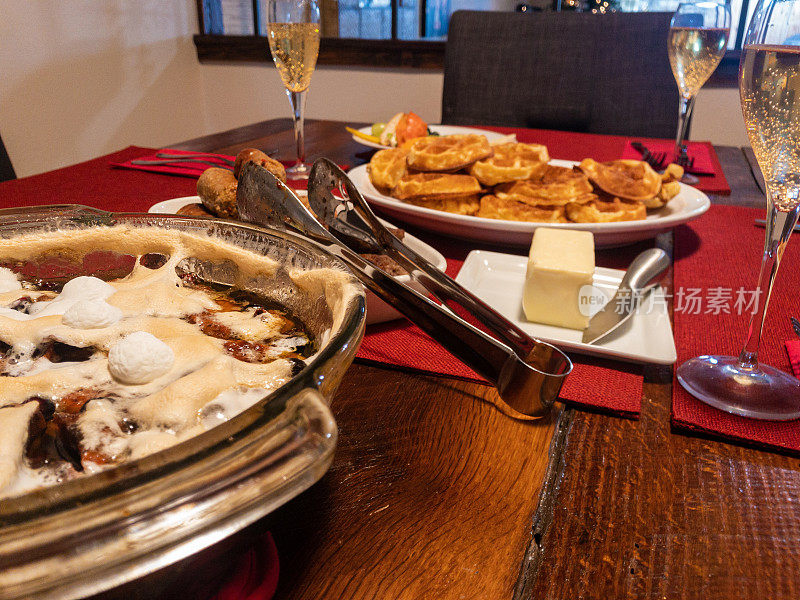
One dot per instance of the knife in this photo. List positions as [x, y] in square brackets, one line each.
[642, 276]
[763, 223]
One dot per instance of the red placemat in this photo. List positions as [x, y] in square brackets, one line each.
[793, 350]
[577, 146]
[184, 169]
[715, 257]
[702, 153]
[192, 169]
[595, 383]
[95, 183]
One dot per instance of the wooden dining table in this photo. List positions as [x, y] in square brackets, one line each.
[435, 493]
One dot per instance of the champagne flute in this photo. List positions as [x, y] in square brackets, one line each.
[698, 37]
[769, 88]
[293, 33]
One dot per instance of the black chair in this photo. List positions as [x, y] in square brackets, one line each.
[6, 168]
[570, 71]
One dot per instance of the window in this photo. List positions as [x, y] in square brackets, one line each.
[739, 18]
[356, 19]
[404, 33]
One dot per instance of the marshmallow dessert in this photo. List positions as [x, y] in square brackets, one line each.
[165, 357]
[175, 334]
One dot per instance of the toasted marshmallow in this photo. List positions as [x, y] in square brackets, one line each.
[92, 313]
[75, 290]
[9, 281]
[139, 357]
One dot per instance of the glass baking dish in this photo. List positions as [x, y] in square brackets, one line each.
[94, 533]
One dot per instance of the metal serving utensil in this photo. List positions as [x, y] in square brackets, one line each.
[528, 384]
[326, 176]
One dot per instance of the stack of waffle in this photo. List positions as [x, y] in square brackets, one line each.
[464, 174]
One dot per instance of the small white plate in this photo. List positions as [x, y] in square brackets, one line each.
[492, 136]
[688, 204]
[498, 280]
[377, 310]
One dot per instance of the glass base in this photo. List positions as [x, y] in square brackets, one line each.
[759, 393]
[299, 170]
[690, 179]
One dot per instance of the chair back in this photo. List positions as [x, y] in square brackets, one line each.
[6, 168]
[561, 70]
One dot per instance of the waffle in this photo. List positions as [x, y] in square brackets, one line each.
[459, 205]
[510, 162]
[409, 142]
[554, 174]
[670, 187]
[508, 209]
[448, 153]
[547, 194]
[672, 173]
[387, 167]
[606, 210]
[626, 179]
[435, 186]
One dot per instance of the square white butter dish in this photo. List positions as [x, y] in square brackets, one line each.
[498, 280]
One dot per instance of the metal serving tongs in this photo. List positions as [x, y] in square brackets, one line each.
[337, 213]
[527, 373]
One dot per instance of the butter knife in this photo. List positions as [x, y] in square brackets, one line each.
[763, 223]
[643, 275]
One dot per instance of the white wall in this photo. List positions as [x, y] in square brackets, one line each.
[718, 117]
[87, 77]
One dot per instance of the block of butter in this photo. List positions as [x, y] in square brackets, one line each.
[560, 263]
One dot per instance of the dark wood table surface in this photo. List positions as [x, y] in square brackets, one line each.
[434, 493]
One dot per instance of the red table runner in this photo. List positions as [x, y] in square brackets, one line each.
[608, 385]
[717, 259]
[596, 383]
[577, 146]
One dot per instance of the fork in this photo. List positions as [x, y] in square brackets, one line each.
[654, 159]
[657, 160]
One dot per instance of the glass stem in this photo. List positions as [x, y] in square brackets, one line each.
[298, 102]
[779, 227]
[685, 107]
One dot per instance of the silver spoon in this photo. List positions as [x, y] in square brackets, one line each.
[530, 385]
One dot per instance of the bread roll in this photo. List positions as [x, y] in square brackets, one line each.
[257, 156]
[217, 190]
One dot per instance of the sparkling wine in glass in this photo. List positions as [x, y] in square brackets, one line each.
[698, 37]
[293, 31]
[769, 88]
